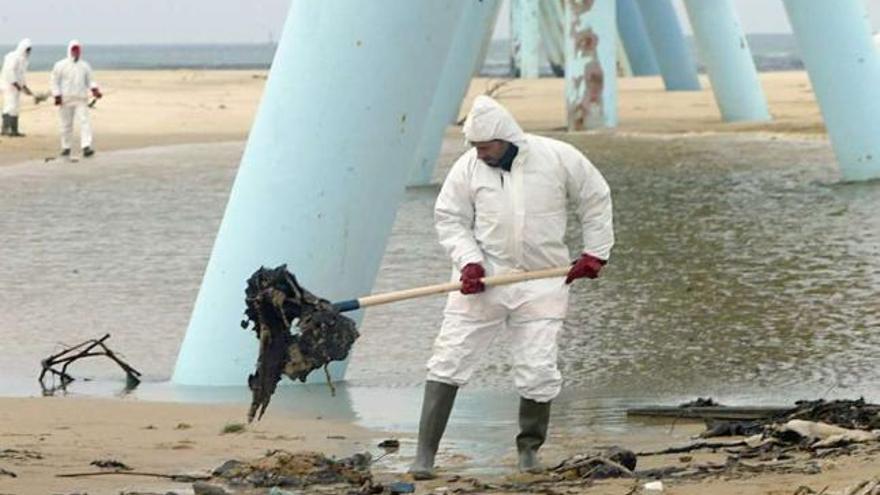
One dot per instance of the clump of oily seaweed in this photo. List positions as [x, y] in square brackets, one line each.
[276, 304]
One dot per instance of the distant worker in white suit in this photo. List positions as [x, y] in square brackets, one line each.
[13, 84]
[72, 82]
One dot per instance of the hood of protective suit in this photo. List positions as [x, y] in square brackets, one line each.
[488, 121]
[23, 45]
[72, 44]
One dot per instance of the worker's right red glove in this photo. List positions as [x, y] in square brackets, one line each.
[97, 93]
[58, 101]
[470, 278]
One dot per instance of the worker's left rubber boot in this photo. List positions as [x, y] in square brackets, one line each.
[13, 125]
[88, 151]
[534, 418]
[6, 125]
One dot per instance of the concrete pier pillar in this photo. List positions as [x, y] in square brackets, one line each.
[844, 68]
[515, 38]
[325, 166]
[677, 65]
[635, 39]
[457, 71]
[530, 37]
[725, 52]
[553, 34]
[591, 64]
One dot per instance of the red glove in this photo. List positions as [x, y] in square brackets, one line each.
[58, 100]
[586, 266]
[470, 278]
[96, 93]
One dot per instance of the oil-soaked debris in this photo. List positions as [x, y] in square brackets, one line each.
[4, 472]
[275, 304]
[110, 464]
[56, 364]
[298, 470]
[20, 455]
[615, 463]
[701, 402]
[389, 444]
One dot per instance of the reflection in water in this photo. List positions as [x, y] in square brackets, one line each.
[743, 270]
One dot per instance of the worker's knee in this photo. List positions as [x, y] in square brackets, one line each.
[540, 383]
[450, 367]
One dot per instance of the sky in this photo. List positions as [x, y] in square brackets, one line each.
[238, 21]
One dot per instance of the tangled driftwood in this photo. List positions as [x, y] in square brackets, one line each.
[89, 348]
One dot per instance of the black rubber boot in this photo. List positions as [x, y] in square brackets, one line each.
[13, 126]
[436, 407]
[7, 125]
[65, 152]
[534, 418]
[88, 151]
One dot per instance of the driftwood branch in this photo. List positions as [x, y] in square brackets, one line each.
[87, 349]
[183, 478]
[494, 89]
[692, 447]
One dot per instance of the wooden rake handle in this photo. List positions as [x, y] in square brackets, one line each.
[428, 290]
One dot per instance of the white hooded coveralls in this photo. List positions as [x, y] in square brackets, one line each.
[15, 65]
[514, 221]
[72, 81]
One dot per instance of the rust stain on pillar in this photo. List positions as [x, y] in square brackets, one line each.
[587, 79]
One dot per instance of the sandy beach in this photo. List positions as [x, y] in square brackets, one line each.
[150, 108]
[43, 437]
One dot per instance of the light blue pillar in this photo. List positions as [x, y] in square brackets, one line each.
[635, 39]
[324, 168]
[458, 68]
[553, 34]
[676, 62]
[530, 38]
[591, 64]
[844, 67]
[725, 53]
[515, 37]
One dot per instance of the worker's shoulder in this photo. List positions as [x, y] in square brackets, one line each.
[566, 152]
[554, 144]
[466, 161]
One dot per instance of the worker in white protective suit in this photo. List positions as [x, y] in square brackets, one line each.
[502, 209]
[71, 84]
[13, 84]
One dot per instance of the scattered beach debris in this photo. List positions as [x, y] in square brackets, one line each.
[89, 348]
[233, 428]
[183, 426]
[390, 444]
[20, 455]
[401, 487]
[4, 472]
[280, 468]
[614, 463]
[110, 464]
[202, 488]
[276, 303]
